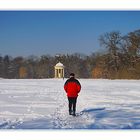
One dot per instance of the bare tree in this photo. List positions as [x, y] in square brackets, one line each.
[112, 41]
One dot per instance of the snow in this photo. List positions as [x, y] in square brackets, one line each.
[42, 104]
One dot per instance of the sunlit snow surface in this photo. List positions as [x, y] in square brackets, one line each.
[42, 104]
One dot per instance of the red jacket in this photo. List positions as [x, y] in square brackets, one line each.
[72, 87]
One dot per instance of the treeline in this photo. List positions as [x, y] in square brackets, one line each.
[120, 60]
[122, 57]
[43, 67]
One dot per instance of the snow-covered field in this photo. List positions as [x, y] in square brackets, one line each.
[42, 104]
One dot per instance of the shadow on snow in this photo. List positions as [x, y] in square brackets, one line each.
[99, 118]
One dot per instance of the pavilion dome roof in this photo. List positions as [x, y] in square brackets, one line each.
[59, 65]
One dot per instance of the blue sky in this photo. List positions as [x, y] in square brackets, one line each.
[50, 32]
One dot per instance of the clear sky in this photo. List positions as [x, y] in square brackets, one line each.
[50, 32]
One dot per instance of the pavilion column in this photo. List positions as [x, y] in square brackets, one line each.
[55, 73]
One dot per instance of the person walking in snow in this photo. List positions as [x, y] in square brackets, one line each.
[72, 87]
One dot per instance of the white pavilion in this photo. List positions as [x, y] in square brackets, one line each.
[59, 70]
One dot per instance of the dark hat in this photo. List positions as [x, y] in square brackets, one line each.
[72, 74]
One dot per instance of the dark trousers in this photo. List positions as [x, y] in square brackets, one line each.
[72, 103]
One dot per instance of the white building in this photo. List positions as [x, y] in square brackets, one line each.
[59, 70]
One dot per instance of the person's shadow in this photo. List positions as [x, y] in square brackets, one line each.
[104, 118]
[93, 109]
